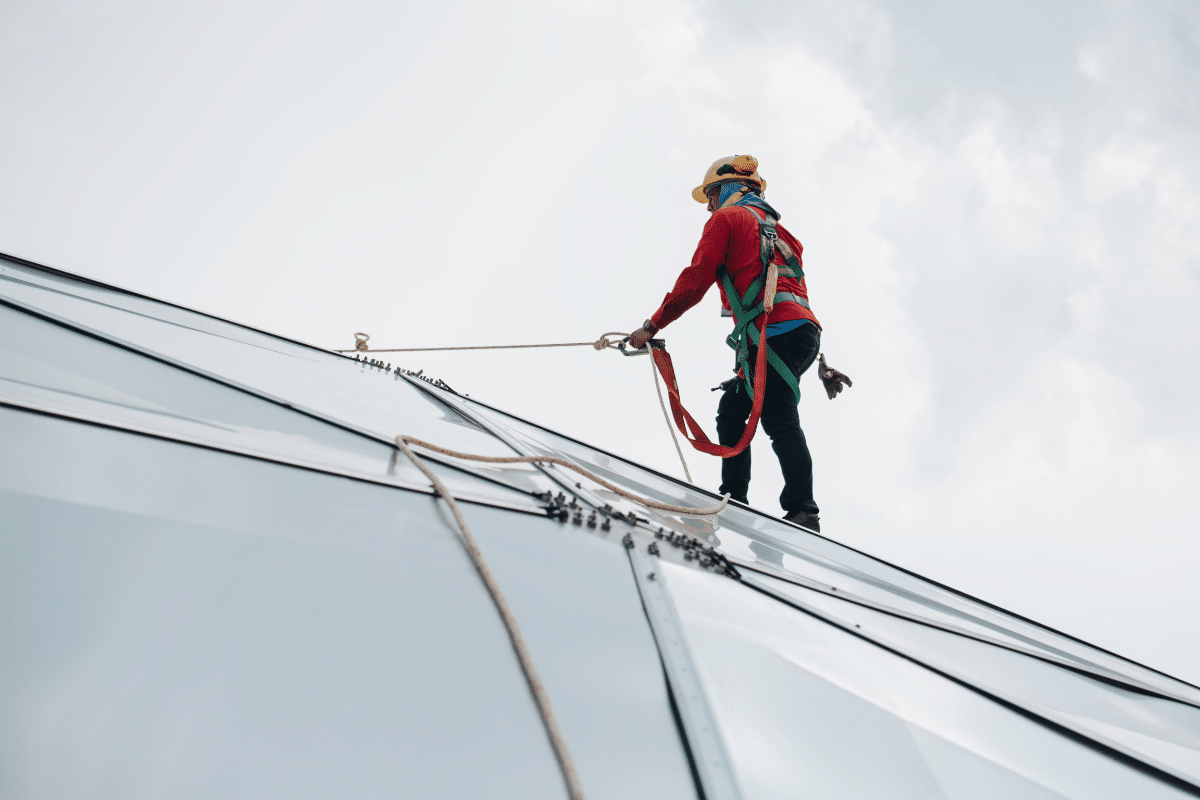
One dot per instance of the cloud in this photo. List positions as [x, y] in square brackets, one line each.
[1020, 214]
[998, 203]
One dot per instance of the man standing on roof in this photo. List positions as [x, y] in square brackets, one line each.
[740, 237]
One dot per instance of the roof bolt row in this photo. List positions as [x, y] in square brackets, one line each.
[438, 382]
[695, 550]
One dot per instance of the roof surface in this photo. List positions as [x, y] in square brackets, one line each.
[218, 579]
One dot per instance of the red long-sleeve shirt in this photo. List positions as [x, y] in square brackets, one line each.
[731, 240]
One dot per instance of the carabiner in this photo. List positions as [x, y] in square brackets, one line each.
[657, 344]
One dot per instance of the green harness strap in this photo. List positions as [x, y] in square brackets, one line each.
[744, 331]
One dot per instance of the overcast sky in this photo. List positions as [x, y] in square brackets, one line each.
[998, 201]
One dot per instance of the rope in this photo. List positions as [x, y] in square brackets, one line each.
[670, 427]
[570, 776]
[360, 342]
[540, 698]
[599, 344]
[612, 487]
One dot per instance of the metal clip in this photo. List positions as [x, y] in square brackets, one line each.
[657, 344]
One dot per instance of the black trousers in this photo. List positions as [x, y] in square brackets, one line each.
[780, 419]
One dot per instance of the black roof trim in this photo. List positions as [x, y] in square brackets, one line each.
[71, 276]
[101, 285]
[279, 462]
[909, 572]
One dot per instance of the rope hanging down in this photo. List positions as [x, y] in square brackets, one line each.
[603, 343]
[661, 362]
[540, 698]
[674, 438]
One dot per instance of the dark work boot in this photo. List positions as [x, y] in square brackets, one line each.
[804, 520]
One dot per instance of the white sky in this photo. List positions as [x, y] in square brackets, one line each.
[999, 205]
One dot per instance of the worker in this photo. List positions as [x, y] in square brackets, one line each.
[738, 239]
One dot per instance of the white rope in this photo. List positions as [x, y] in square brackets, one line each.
[540, 698]
[559, 745]
[670, 427]
[646, 501]
[599, 344]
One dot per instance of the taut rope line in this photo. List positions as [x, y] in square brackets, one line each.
[603, 343]
[599, 344]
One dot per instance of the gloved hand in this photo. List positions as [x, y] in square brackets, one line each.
[638, 339]
[832, 379]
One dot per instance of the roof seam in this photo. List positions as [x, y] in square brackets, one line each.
[917, 620]
[256, 457]
[100, 284]
[1108, 749]
[260, 395]
[874, 558]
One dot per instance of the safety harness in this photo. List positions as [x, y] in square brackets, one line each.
[746, 313]
[744, 333]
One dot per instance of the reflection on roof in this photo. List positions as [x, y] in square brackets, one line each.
[220, 581]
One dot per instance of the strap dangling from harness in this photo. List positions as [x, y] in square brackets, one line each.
[685, 421]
